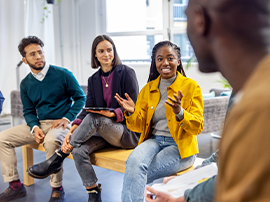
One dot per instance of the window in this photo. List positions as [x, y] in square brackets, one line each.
[134, 15]
[137, 25]
[136, 48]
[186, 49]
[178, 26]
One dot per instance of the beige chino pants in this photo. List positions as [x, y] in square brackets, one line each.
[20, 135]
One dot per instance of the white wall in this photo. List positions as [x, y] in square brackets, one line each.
[19, 19]
[11, 31]
[80, 25]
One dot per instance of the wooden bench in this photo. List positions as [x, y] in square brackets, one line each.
[114, 158]
[110, 158]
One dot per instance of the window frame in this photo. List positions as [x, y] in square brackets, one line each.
[167, 32]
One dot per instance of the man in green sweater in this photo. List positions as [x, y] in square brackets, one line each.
[51, 98]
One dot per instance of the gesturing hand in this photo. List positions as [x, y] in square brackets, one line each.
[39, 135]
[59, 122]
[175, 104]
[128, 104]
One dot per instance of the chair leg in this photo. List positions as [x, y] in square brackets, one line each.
[27, 162]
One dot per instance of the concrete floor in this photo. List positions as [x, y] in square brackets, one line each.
[75, 192]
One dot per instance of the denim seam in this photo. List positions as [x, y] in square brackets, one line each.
[90, 184]
[163, 166]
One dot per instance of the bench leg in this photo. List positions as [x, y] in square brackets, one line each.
[27, 162]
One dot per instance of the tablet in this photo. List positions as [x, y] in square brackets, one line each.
[99, 108]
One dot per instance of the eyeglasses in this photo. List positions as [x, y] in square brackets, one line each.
[35, 55]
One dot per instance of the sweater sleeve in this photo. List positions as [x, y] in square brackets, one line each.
[119, 115]
[203, 192]
[76, 93]
[29, 111]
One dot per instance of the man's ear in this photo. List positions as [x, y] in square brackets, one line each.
[24, 60]
[201, 20]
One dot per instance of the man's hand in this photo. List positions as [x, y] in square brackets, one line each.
[175, 104]
[39, 135]
[167, 179]
[66, 147]
[60, 122]
[161, 196]
[106, 113]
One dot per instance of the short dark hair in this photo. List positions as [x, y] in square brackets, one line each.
[94, 61]
[27, 41]
[153, 69]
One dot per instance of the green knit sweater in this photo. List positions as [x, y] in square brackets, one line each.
[52, 98]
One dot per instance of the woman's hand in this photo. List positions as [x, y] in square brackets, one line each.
[175, 104]
[106, 113]
[66, 147]
[128, 104]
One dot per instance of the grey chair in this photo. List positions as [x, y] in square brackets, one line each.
[215, 110]
[16, 108]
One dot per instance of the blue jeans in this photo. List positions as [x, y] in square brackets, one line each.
[155, 158]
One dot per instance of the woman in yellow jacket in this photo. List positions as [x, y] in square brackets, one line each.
[168, 141]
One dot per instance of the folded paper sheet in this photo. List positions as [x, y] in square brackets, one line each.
[177, 186]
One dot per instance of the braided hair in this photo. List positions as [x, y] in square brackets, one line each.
[153, 69]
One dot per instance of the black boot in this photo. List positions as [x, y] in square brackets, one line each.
[48, 167]
[95, 194]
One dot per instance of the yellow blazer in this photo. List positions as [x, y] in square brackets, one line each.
[184, 132]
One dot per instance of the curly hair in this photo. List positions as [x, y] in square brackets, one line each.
[27, 41]
[153, 70]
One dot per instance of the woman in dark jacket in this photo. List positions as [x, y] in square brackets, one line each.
[94, 130]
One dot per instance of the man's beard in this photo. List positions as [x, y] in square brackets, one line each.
[34, 66]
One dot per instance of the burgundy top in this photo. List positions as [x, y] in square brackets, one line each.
[107, 95]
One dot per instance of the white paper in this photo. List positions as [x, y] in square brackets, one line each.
[177, 186]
